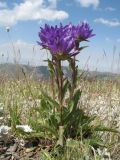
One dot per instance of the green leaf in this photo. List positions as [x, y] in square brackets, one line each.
[81, 48]
[96, 142]
[64, 89]
[59, 69]
[105, 129]
[50, 100]
[45, 155]
[51, 67]
[48, 128]
[76, 98]
[54, 121]
[72, 143]
[72, 106]
[63, 57]
[43, 103]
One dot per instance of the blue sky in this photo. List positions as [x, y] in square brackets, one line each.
[24, 17]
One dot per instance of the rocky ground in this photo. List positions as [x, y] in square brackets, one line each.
[19, 149]
[105, 107]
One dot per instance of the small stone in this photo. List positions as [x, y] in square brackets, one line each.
[8, 158]
[15, 155]
[12, 148]
[8, 154]
[25, 128]
[31, 154]
[30, 149]
[2, 157]
[4, 148]
[4, 129]
[1, 142]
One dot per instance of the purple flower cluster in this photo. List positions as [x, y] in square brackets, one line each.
[64, 39]
[82, 31]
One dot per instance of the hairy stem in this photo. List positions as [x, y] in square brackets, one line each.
[52, 89]
[74, 77]
[60, 85]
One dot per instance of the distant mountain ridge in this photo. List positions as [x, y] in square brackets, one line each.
[10, 70]
[42, 72]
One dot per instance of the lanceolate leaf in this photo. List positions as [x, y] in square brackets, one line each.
[51, 67]
[72, 106]
[50, 100]
[105, 129]
[65, 88]
[81, 48]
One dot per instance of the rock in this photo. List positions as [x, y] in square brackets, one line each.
[30, 155]
[25, 128]
[1, 142]
[3, 150]
[30, 149]
[8, 158]
[12, 148]
[15, 156]
[2, 157]
[4, 129]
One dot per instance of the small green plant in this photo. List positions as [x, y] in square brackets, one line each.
[63, 44]
[65, 116]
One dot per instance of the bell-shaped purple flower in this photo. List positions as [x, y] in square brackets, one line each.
[82, 31]
[64, 40]
[56, 39]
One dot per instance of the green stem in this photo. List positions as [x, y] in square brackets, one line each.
[60, 80]
[52, 89]
[74, 77]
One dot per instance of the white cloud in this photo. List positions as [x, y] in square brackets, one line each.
[3, 5]
[53, 3]
[32, 10]
[107, 39]
[27, 53]
[118, 40]
[24, 53]
[110, 9]
[111, 23]
[88, 3]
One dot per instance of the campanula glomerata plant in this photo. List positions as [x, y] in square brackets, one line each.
[63, 43]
